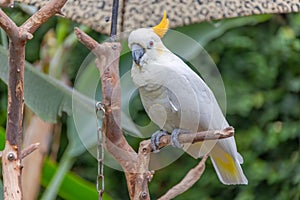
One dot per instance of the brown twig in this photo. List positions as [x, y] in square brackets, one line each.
[89, 42]
[8, 25]
[187, 182]
[198, 137]
[43, 15]
[18, 36]
[6, 3]
[28, 150]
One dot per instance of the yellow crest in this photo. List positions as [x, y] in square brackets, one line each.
[162, 27]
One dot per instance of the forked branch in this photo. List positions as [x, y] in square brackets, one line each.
[18, 36]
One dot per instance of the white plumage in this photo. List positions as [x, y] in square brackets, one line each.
[175, 97]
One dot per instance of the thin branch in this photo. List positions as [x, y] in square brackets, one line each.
[43, 15]
[187, 182]
[8, 25]
[86, 40]
[197, 137]
[144, 176]
[28, 150]
[6, 3]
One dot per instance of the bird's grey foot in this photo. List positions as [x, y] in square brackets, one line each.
[155, 140]
[174, 138]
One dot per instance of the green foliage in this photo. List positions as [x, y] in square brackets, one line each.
[260, 69]
[72, 186]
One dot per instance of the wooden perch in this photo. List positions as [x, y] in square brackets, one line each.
[135, 165]
[18, 36]
[187, 182]
[197, 137]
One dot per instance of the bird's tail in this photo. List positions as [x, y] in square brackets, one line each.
[227, 163]
[225, 158]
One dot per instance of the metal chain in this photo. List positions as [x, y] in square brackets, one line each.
[100, 114]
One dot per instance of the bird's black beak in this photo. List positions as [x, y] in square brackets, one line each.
[137, 53]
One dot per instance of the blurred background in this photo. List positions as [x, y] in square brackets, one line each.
[258, 58]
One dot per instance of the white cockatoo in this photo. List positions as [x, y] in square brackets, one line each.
[179, 102]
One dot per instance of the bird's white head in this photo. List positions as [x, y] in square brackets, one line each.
[145, 43]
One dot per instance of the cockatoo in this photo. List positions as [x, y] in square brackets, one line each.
[179, 102]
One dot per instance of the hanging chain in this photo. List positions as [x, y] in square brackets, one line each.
[100, 114]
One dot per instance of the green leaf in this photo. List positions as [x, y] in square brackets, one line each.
[49, 98]
[44, 95]
[72, 187]
[2, 138]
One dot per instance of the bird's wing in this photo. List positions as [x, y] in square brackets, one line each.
[210, 115]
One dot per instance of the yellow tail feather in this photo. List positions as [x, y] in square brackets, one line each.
[227, 166]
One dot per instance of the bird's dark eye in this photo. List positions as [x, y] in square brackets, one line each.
[150, 44]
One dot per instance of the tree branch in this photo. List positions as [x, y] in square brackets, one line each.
[6, 3]
[144, 176]
[86, 40]
[187, 182]
[28, 150]
[8, 25]
[11, 155]
[197, 137]
[43, 15]
[107, 62]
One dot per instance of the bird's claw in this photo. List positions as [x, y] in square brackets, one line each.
[174, 138]
[155, 140]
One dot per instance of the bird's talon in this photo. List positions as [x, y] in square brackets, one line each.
[174, 138]
[155, 140]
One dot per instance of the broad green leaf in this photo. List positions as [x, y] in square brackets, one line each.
[48, 97]
[54, 185]
[2, 138]
[44, 95]
[73, 187]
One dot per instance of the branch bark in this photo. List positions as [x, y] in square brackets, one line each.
[108, 64]
[197, 137]
[18, 36]
[187, 182]
[6, 3]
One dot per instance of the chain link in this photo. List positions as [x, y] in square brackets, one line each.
[100, 114]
